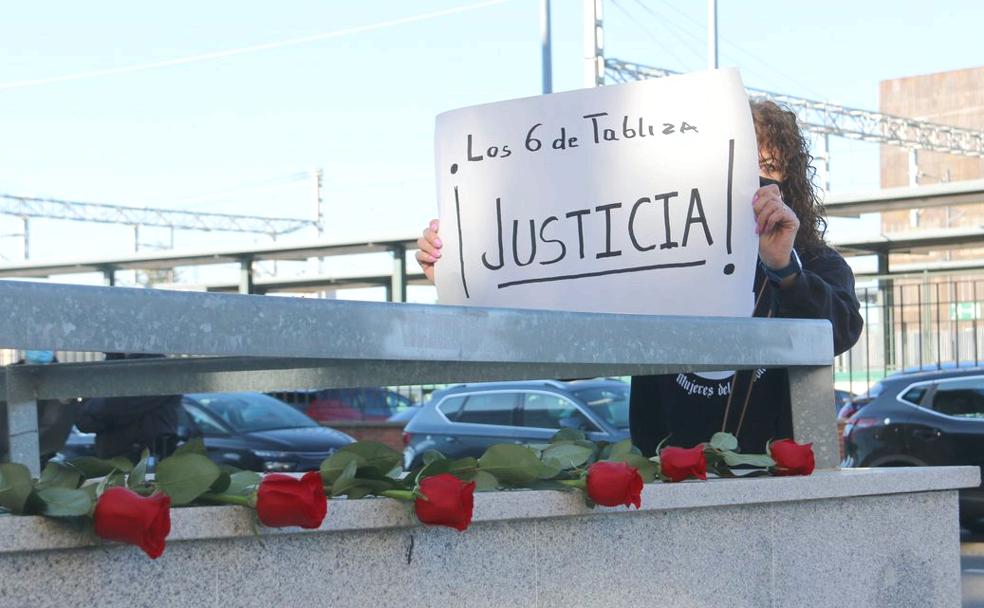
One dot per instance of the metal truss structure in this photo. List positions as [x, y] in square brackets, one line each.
[832, 119]
[28, 207]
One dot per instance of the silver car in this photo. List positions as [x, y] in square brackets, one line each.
[464, 420]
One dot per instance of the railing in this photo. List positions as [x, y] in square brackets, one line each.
[245, 343]
[915, 323]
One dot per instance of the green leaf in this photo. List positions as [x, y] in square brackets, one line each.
[755, 473]
[510, 463]
[15, 486]
[59, 475]
[754, 460]
[185, 477]
[485, 482]
[221, 483]
[347, 475]
[566, 455]
[719, 467]
[648, 469]
[64, 502]
[547, 471]
[621, 448]
[567, 435]
[242, 483]
[724, 441]
[548, 484]
[91, 490]
[333, 466]
[356, 487]
[98, 467]
[195, 445]
[115, 478]
[357, 492]
[139, 473]
[432, 455]
[375, 456]
[462, 468]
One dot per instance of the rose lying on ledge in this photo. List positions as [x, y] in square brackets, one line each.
[445, 500]
[612, 484]
[283, 501]
[791, 458]
[125, 516]
[678, 464]
[124, 505]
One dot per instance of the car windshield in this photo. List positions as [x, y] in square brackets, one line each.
[251, 412]
[610, 403]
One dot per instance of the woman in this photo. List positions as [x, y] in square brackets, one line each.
[798, 276]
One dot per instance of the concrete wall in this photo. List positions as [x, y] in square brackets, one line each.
[879, 538]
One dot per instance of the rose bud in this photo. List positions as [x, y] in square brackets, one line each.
[445, 501]
[791, 458]
[125, 516]
[679, 463]
[611, 484]
[283, 501]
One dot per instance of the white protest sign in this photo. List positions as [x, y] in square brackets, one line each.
[634, 198]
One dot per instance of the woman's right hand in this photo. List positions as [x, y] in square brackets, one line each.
[429, 251]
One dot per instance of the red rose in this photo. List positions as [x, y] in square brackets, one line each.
[449, 501]
[678, 463]
[614, 483]
[125, 516]
[283, 501]
[792, 458]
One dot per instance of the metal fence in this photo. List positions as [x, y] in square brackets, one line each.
[914, 323]
[929, 321]
[256, 343]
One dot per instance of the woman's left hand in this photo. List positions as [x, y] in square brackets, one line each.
[776, 225]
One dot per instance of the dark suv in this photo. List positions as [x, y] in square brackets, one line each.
[464, 420]
[931, 418]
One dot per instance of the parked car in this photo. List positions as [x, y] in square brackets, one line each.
[247, 430]
[406, 415]
[931, 418]
[841, 398]
[336, 404]
[464, 420]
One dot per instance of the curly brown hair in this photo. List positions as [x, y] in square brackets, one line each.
[777, 131]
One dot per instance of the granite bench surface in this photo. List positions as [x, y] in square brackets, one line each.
[196, 523]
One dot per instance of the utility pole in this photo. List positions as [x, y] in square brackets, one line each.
[593, 43]
[319, 216]
[712, 34]
[545, 52]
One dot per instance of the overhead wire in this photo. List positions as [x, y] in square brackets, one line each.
[676, 32]
[738, 48]
[639, 24]
[225, 53]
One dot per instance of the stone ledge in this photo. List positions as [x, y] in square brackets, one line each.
[28, 534]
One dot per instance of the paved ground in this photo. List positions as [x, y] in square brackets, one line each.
[972, 566]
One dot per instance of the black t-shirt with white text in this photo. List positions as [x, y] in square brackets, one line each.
[689, 408]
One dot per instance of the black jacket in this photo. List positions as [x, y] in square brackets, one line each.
[125, 425]
[690, 408]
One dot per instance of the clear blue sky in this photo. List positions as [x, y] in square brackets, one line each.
[362, 107]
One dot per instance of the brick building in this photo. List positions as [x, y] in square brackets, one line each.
[951, 98]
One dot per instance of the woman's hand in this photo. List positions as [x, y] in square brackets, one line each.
[776, 225]
[429, 249]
